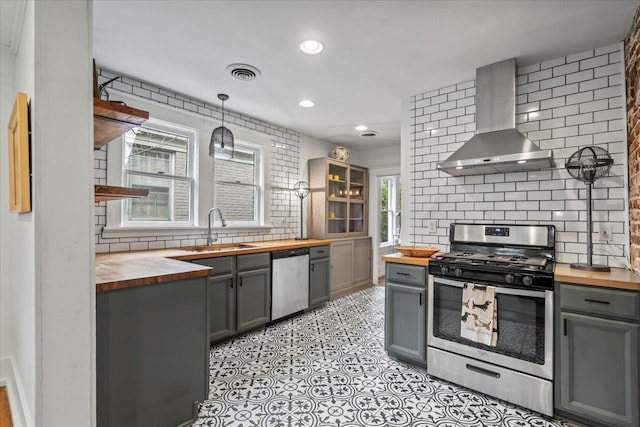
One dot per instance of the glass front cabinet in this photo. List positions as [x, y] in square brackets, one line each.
[338, 199]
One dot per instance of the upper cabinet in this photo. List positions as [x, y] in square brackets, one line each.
[112, 119]
[338, 199]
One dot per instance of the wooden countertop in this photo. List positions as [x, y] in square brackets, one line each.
[121, 270]
[618, 278]
[401, 259]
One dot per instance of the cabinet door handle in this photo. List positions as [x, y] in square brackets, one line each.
[320, 252]
[420, 298]
[483, 371]
[403, 274]
[313, 267]
[564, 327]
[240, 280]
[597, 301]
[231, 283]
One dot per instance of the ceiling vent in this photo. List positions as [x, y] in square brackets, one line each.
[244, 72]
[369, 133]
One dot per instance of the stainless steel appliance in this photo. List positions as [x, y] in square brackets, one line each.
[289, 282]
[518, 260]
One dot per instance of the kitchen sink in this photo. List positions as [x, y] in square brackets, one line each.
[222, 247]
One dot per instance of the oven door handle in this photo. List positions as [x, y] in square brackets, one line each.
[499, 289]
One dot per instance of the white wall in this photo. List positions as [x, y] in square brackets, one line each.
[47, 277]
[63, 211]
[562, 104]
[17, 244]
[382, 157]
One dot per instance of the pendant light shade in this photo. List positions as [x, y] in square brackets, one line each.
[221, 145]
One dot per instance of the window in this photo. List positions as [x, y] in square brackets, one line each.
[159, 158]
[390, 196]
[238, 185]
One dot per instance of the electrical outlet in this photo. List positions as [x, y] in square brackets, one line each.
[605, 232]
[432, 224]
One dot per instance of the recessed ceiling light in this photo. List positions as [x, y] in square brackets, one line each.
[459, 167]
[522, 161]
[311, 47]
[306, 103]
[360, 128]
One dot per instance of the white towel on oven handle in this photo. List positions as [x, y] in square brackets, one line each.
[478, 317]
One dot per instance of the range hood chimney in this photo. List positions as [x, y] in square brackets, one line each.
[497, 146]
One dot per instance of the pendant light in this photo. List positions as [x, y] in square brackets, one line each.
[221, 145]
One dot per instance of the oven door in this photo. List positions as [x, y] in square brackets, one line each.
[525, 327]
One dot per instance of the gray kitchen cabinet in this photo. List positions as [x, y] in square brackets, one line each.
[406, 313]
[239, 294]
[350, 266]
[253, 298]
[222, 306]
[597, 355]
[152, 353]
[319, 272]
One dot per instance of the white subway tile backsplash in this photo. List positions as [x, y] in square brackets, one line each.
[561, 104]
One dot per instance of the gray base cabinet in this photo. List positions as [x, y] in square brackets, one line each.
[253, 298]
[598, 359]
[239, 294]
[319, 268]
[152, 353]
[406, 313]
[350, 266]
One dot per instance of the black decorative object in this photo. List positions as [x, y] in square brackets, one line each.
[221, 145]
[301, 190]
[587, 165]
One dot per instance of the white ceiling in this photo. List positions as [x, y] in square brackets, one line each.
[376, 52]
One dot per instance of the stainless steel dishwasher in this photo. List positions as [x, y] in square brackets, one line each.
[289, 282]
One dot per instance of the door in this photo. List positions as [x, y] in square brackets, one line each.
[525, 326]
[253, 298]
[341, 265]
[362, 260]
[318, 281]
[405, 321]
[222, 307]
[599, 369]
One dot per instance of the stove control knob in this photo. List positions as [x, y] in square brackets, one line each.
[510, 278]
[458, 272]
[444, 269]
[527, 280]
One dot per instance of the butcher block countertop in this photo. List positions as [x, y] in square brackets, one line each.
[617, 278]
[402, 259]
[121, 270]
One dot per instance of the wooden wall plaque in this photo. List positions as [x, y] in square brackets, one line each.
[19, 161]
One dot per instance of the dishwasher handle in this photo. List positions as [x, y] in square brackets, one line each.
[289, 253]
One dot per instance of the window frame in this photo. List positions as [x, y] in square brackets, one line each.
[259, 179]
[191, 177]
[392, 211]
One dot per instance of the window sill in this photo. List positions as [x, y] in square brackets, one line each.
[125, 232]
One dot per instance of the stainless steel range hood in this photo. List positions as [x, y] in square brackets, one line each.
[497, 146]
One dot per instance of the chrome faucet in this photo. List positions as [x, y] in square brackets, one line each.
[224, 224]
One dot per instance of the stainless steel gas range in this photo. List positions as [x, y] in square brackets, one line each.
[515, 263]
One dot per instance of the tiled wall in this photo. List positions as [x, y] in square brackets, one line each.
[562, 104]
[285, 161]
[632, 61]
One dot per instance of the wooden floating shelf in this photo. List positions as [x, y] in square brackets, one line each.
[111, 119]
[105, 193]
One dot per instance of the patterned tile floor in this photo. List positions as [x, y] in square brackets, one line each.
[328, 367]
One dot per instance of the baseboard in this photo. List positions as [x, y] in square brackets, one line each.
[344, 292]
[10, 378]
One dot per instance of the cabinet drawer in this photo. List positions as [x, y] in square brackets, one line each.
[220, 265]
[319, 252]
[608, 302]
[405, 274]
[253, 261]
